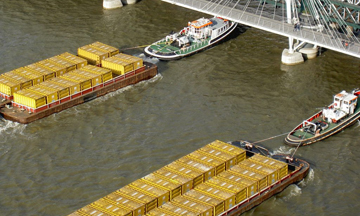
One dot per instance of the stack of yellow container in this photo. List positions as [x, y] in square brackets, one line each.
[55, 89]
[122, 63]
[96, 52]
[45, 72]
[227, 189]
[173, 180]
[34, 74]
[208, 181]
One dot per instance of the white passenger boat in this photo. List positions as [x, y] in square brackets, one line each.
[198, 35]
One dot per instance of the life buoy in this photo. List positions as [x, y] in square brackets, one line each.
[335, 104]
[334, 120]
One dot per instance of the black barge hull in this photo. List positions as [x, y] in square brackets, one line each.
[22, 116]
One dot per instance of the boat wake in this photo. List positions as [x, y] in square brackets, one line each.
[147, 59]
[10, 127]
[119, 91]
[309, 178]
[294, 190]
[283, 150]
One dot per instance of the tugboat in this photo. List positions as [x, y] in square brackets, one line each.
[342, 113]
[198, 35]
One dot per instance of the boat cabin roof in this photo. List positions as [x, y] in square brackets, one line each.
[345, 96]
[200, 23]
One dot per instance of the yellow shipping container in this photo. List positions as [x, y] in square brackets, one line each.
[47, 73]
[74, 87]
[228, 198]
[29, 98]
[78, 61]
[236, 178]
[207, 169]
[24, 82]
[217, 204]
[61, 90]
[219, 165]
[88, 210]
[137, 208]
[197, 207]
[50, 65]
[160, 194]
[185, 181]
[240, 191]
[109, 49]
[272, 173]
[96, 79]
[34, 76]
[50, 94]
[230, 149]
[109, 208]
[182, 169]
[68, 65]
[172, 187]
[282, 166]
[260, 178]
[8, 86]
[105, 73]
[222, 156]
[84, 82]
[175, 210]
[117, 66]
[139, 197]
[92, 55]
[136, 61]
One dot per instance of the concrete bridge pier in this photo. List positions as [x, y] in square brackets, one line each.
[290, 56]
[112, 4]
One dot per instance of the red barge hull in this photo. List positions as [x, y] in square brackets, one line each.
[18, 114]
[270, 191]
[300, 169]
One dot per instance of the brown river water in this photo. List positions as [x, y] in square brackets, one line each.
[236, 90]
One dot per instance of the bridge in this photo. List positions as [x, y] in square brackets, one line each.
[323, 23]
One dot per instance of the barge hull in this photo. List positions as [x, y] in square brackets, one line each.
[16, 115]
[271, 191]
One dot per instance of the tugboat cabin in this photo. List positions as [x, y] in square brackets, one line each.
[344, 105]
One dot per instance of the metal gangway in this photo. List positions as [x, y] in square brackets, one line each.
[322, 34]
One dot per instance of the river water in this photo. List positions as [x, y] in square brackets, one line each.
[236, 90]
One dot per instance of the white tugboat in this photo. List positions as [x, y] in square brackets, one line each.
[342, 113]
[198, 35]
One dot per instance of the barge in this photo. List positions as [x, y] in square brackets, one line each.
[217, 179]
[342, 113]
[58, 83]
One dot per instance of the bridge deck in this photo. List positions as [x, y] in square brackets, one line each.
[276, 26]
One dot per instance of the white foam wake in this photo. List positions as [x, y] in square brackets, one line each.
[294, 191]
[147, 59]
[283, 150]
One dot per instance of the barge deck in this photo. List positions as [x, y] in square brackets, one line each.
[217, 179]
[17, 114]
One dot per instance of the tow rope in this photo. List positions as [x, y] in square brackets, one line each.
[271, 137]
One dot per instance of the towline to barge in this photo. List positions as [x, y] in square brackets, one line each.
[217, 179]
